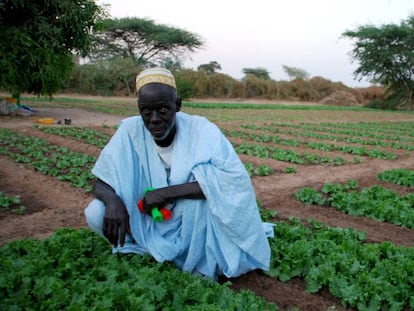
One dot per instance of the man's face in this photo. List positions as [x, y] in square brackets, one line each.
[157, 105]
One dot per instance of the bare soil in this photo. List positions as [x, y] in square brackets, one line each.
[51, 204]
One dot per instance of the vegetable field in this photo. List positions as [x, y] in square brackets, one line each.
[338, 182]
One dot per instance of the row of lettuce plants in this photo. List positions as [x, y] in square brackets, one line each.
[11, 203]
[377, 202]
[259, 170]
[360, 151]
[393, 141]
[53, 160]
[373, 130]
[286, 155]
[398, 176]
[93, 137]
[389, 140]
[397, 128]
[355, 150]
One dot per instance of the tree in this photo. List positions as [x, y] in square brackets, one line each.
[386, 56]
[38, 40]
[295, 73]
[258, 72]
[172, 64]
[209, 68]
[143, 40]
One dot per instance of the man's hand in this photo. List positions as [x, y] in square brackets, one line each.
[155, 198]
[162, 196]
[116, 218]
[116, 221]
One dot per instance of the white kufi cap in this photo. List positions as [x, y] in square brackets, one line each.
[155, 75]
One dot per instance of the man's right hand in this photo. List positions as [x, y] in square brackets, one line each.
[116, 218]
[116, 221]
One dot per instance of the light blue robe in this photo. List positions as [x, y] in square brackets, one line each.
[220, 235]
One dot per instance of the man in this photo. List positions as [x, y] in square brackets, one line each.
[194, 172]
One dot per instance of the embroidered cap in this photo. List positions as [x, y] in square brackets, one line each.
[155, 75]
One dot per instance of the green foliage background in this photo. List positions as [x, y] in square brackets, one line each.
[38, 40]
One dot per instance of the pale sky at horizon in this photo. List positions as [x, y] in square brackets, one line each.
[270, 34]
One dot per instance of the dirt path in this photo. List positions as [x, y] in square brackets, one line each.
[50, 204]
[78, 117]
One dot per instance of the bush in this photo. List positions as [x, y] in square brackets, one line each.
[385, 104]
[391, 101]
[221, 85]
[108, 78]
[368, 94]
[191, 83]
[255, 87]
[340, 98]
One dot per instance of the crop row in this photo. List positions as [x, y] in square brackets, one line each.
[402, 131]
[269, 152]
[376, 202]
[49, 159]
[12, 203]
[398, 176]
[83, 134]
[355, 150]
[397, 128]
[389, 140]
[394, 143]
[259, 170]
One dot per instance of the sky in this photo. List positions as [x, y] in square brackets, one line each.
[305, 34]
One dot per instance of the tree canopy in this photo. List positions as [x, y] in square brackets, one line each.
[143, 40]
[38, 40]
[258, 72]
[295, 73]
[209, 68]
[386, 56]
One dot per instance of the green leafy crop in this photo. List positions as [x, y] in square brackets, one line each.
[12, 203]
[85, 135]
[398, 176]
[76, 270]
[365, 276]
[49, 159]
[376, 202]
